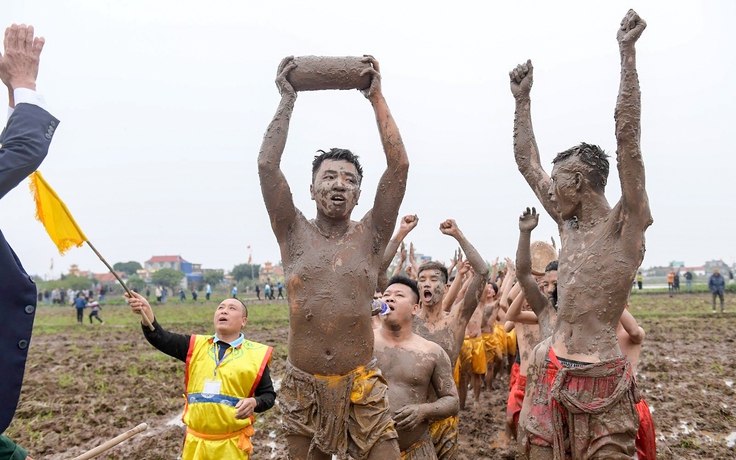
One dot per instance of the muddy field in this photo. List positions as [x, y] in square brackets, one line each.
[86, 384]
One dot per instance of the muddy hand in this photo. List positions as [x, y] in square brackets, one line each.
[510, 265]
[529, 220]
[375, 72]
[449, 227]
[408, 223]
[631, 28]
[19, 64]
[282, 82]
[408, 417]
[522, 78]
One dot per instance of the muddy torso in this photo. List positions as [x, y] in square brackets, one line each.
[527, 337]
[408, 369]
[330, 282]
[473, 328]
[596, 270]
[447, 332]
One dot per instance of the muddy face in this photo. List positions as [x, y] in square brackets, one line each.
[431, 287]
[335, 189]
[402, 304]
[229, 318]
[564, 188]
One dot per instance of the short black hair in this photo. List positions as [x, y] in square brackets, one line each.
[244, 307]
[433, 265]
[591, 155]
[406, 281]
[551, 267]
[337, 154]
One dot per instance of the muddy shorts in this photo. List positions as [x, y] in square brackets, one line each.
[444, 437]
[500, 338]
[493, 350]
[515, 369]
[584, 410]
[343, 414]
[473, 356]
[646, 440]
[511, 343]
[420, 450]
[516, 399]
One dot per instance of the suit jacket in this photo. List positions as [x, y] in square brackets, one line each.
[25, 143]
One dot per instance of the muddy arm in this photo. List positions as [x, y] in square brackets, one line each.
[526, 151]
[407, 224]
[456, 287]
[527, 222]
[392, 185]
[634, 201]
[517, 315]
[274, 187]
[478, 283]
[636, 333]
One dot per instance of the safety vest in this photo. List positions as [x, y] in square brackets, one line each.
[213, 431]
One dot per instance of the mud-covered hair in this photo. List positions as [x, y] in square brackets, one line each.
[591, 155]
[433, 265]
[406, 281]
[551, 267]
[337, 154]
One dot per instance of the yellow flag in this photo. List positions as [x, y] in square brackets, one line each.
[54, 215]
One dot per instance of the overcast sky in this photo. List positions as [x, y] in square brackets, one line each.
[163, 105]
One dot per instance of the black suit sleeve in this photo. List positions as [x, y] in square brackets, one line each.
[171, 343]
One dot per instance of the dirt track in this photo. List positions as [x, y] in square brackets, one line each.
[85, 387]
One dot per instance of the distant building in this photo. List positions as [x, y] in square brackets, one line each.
[108, 278]
[192, 271]
[271, 273]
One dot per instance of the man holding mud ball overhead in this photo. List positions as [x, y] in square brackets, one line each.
[23, 145]
[333, 397]
[590, 408]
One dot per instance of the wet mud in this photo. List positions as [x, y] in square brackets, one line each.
[314, 73]
[80, 392]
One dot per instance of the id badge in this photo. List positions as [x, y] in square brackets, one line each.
[211, 387]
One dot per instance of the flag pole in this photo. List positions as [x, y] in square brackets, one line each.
[146, 321]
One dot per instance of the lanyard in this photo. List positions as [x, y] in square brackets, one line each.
[217, 353]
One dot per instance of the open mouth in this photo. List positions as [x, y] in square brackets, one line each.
[427, 295]
[222, 319]
[338, 199]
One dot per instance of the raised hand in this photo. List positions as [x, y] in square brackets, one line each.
[19, 65]
[449, 227]
[631, 28]
[528, 220]
[522, 78]
[408, 223]
[510, 267]
[462, 269]
[375, 72]
[282, 82]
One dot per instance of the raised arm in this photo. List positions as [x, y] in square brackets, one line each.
[517, 315]
[479, 266]
[407, 224]
[451, 295]
[527, 222]
[275, 189]
[634, 201]
[392, 186]
[526, 151]
[508, 286]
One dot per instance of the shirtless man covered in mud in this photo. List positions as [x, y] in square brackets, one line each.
[473, 361]
[590, 412]
[333, 396]
[448, 329]
[412, 366]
